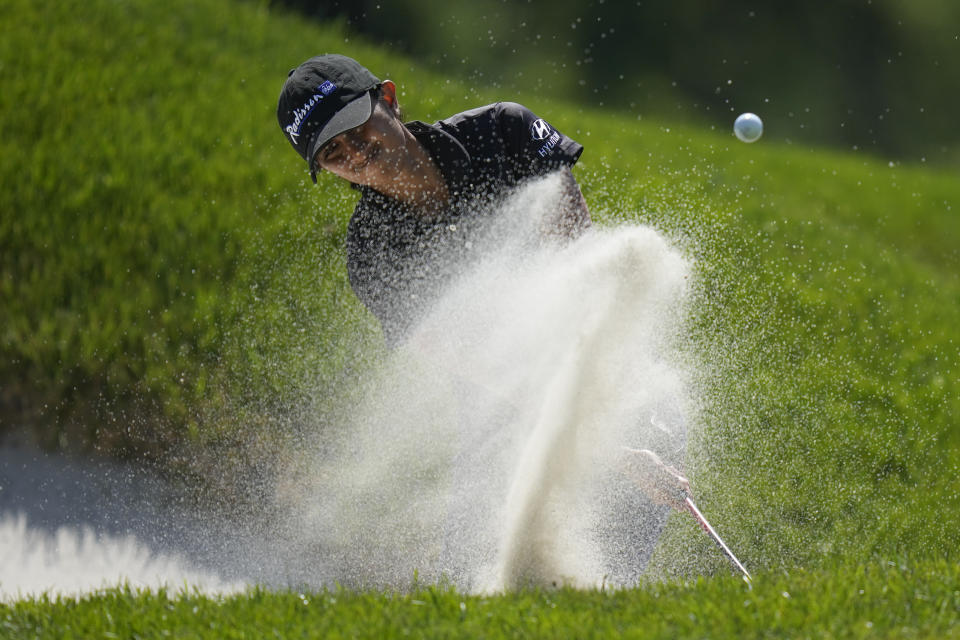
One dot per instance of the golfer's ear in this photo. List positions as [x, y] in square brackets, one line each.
[388, 91]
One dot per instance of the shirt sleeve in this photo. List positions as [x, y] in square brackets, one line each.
[535, 145]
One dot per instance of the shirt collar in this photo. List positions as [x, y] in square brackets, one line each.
[451, 156]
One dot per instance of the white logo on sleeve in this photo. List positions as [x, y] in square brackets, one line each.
[540, 129]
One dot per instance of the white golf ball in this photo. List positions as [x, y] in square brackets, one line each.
[748, 127]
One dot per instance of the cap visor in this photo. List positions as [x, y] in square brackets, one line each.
[354, 114]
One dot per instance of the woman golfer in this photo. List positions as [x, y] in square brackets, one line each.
[423, 187]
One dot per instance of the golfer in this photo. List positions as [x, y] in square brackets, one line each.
[424, 188]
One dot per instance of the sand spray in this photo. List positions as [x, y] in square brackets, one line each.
[485, 452]
[488, 450]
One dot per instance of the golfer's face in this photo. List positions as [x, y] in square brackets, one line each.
[366, 154]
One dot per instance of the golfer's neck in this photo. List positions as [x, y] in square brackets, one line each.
[419, 182]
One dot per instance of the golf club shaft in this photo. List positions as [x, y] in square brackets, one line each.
[716, 538]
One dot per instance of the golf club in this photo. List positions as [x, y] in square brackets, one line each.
[692, 508]
[666, 485]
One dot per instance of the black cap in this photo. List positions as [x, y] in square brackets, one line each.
[322, 98]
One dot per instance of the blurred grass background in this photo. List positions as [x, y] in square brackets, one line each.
[874, 75]
[148, 211]
[172, 286]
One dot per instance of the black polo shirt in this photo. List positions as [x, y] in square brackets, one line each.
[397, 260]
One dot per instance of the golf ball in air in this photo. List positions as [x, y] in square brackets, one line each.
[748, 127]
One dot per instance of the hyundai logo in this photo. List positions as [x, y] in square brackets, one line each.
[540, 129]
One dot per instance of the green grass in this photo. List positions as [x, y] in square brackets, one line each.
[150, 213]
[170, 281]
[874, 601]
